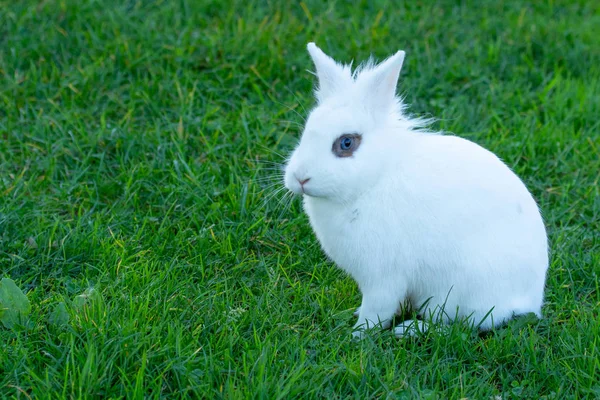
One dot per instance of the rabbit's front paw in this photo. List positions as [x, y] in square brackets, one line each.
[359, 330]
[357, 312]
[358, 334]
[410, 328]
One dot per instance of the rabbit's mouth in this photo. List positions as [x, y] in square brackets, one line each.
[298, 184]
[307, 192]
[303, 189]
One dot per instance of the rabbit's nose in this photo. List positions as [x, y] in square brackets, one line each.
[303, 181]
[301, 178]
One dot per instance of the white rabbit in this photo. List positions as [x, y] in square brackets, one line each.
[431, 221]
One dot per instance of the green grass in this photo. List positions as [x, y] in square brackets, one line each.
[134, 140]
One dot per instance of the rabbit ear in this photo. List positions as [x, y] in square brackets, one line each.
[380, 82]
[332, 76]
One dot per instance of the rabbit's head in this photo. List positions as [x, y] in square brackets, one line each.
[351, 134]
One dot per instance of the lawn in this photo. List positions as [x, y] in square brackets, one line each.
[140, 209]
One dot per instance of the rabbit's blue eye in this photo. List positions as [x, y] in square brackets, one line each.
[346, 143]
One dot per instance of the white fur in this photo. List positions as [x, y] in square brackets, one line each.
[432, 221]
